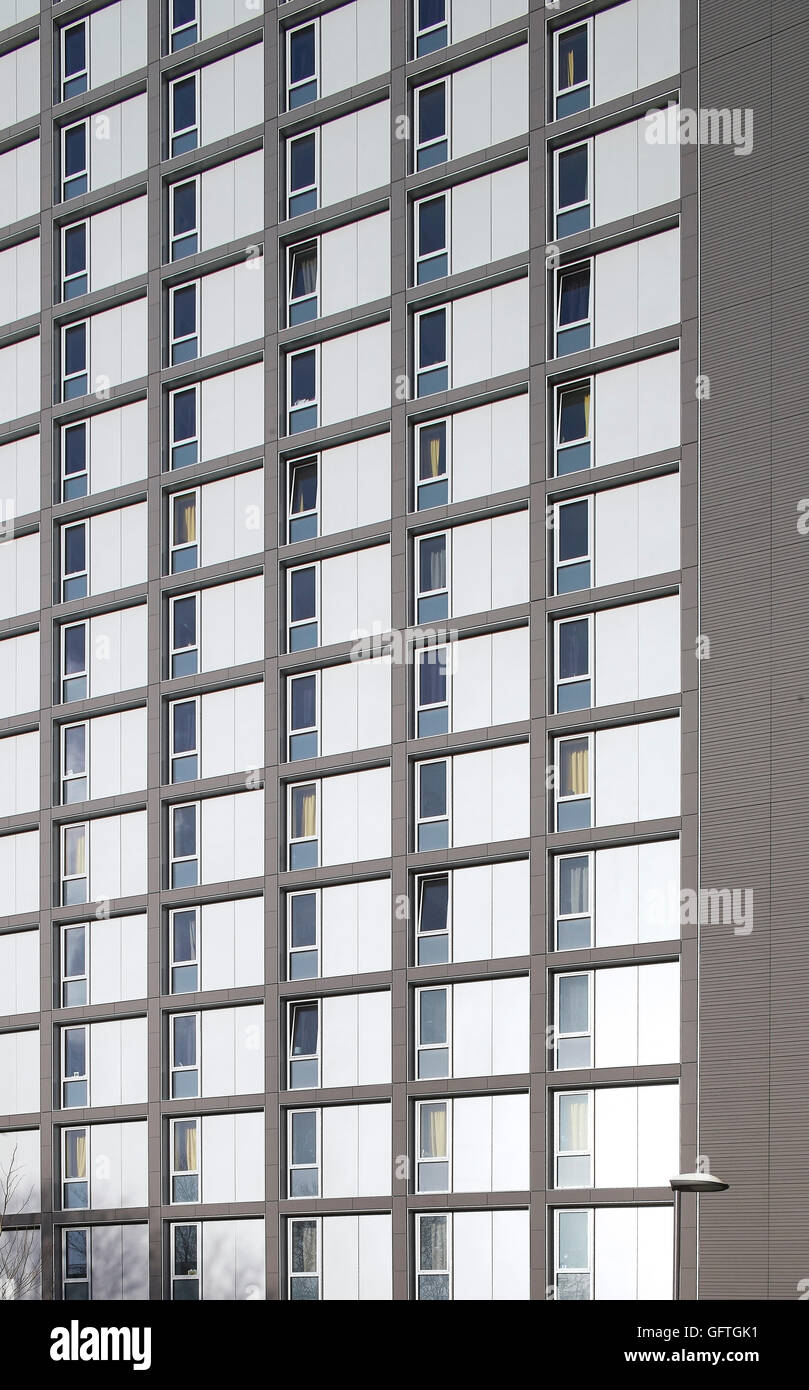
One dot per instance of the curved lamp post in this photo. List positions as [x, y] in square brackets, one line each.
[689, 1182]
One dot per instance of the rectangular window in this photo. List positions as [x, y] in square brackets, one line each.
[572, 69]
[433, 1030]
[432, 142]
[573, 430]
[302, 64]
[303, 935]
[432, 691]
[574, 902]
[574, 310]
[184, 218]
[433, 1124]
[573, 1139]
[304, 1045]
[74, 561]
[573, 789]
[302, 304]
[183, 417]
[185, 962]
[434, 919]
[433, 1270]
[183, 114]
[74, 662]
[433, 802]
[303, 499]
[431, 217]
[184, 1030]
[185, 1174]
[74, 864]
[302, 600]
[432, 464]
[573, 1265]
[76, 1264]
[304, 1260]
[302, 174]
[184, 322]
[572, 528]
[184, 548]
[302, 387]
[75, 355]
[432, 351]
[303, 704]
[75, 78]
[184, 736]
[432, 570]
[432, 26]
[182, 24]
[74, 462]
[574, 1027]
[184, 845]
[573, 189]
[75, 964]
[75, 1168]
[303, 1140]
[75, 277]
[184, 635]
[185, 1267]
[74, 1067]
[74, 160]
[572, 659]
[303, 810]
[75, 748]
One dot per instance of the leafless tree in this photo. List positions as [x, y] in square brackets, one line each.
[19, 1256]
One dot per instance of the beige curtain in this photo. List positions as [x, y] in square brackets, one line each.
[569, 67]
[435, 456]
[587, 411]
[577, 1129]
[575, 771]
[436, 1146]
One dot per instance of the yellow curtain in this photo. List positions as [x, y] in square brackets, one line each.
[191, 520]
[191, 1149]
[80, 1156]
[435, 456]
[587, 411]
[309, 818]
[574, 772]
[570, 67]
[438, 1132]
[577, 1122]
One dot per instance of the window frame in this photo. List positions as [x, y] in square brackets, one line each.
[185, 1278]
[422, 658]
[174, 237]
[571, 1035]
[561, 918]
[558, 1213]
[292, 950]
[290, 87]
[82, 73]
[175, 135]
[317, 1166]
[75, 1077]
[306, 191]
[196, 857]
[66, 979]
[75, 675]
[178, 1069]
[422, 484]
[421, 935]
[174, 29]
[65, 878]
[445, 817]
[68, 1281]
[81, 175]
[316, 1057]
[431, 1161]
[421, 51]
[292, 1275]
[294, 411]
[562, 682]
[308, 731]
[67, 1182]
[174, 1172]
[64, 775]
[293, 249]
[447, 1045]
[83, 574]
[180, 547]
[560, 330]
[314, 512]
[445, 365]
[75, 276]
[424, 597]
[293, 841]
[298, 623]
[587, 384]
[177, 343]
[194, 440]
[588, 558]
[588, 1153]
[559, 93]
[175, 651]
[419, 164]
[68, 379]
[195, 752]
[420, 1271]
[421, 258]
[173, 962]
[571, 797]
[570, 208]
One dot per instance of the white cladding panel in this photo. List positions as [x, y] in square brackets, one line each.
[19, 873]
[19, 973]
[355, 484]
[19, 674]
[19, 475]
[19, 181]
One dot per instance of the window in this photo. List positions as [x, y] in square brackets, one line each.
[574, 545]
[75, 1168]
[183, 416]
[302, 710]
[573, 638]
[574, 912]
[182, 23]
[432, 595]
[185, 1161]
[184, 322]
[303, 1138]
[302, 598]
[74, 1067]
[432, 1033]
[74, 361]
[573, 790]
[74, 60]
[572, 69]
[184, 1029]
[74, 864]
[432, 691]
[302, 64]
[75, 738]
[185, 1270]
[76, 1264]
[304, 1261]
[184, 218]
[184, 963]
[302, 161]
[432, 464]
[303, 499]
[573, 189]
[574, 1029]
[184, 114]
[573, 437]
[74, 662]
[434, 917]
[432, 28]
[74, 561]
[75, 279]
[74, 160]
[75, 965]
[433, 798]
[433, 1118]
[184, 635]
[573, 308]
[184, 509]
[184, 848]
[303, 826]
[303, 935]
[432, 351]
[303, 283]
[433, 1237]
[573, 1139]
[573, 1264]
[432, 238]
[304, 1045]
[74, 462]
[302, 374]
[432, 145]
[184, 735]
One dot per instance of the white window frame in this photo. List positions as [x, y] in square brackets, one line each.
[68, 179]
[420, 1271]
[317, 1222]
[315, 950]
[309, 729]
[75, 675]
[65, 878]
[294, 410]
[303, 839]
[422, 258]
[64, 978]
[184, 858]
[434, 1047]
[67, 1182]
[434, 820]
[562, 1211]
[292, 251]
[177, 1069]
[582, 384]
[66, 376]
[583, 202]
[194, 752]
[559, 328]
[176, 651]
[589, 1032]
[195, 337]
[84, 574]
[85, 71]
[445, 363]
[66, 279]
[175, 1172]
[558, 91]
[64, 775]
[432, 1161]
[316, 1057]
[307, 188]
[85, 472]
[558, 1152]
[317, 1166]
[88, 1248]
[195, 438]
[588, 558]
[176, 134]
[559, 917]
[303, 622]
[292, 465]
[420, 33]
[421, 483]
[427, 594]
[176, 547]
[289, 86]
[422, 657]
[182, 28]
[560, 682]
[75, 1076]
[421, 935]
[560, 799]
[186, 1278]
[174, 963]
[174, 237]
[444, 139]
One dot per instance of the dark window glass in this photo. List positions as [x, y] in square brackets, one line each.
[433, 789]
[432, 226]
[75, 348]
[75, 1051]
[303, 594]
[573, 176]
[432, 118]
[304, 1137]
[573, 1001]
[573, 531]
[302, 54]
[75, 50]
[75, 549]
[433, 564]
[185, 1041]
[433, 452]
[303, 277]
[574, 295]
[185, 311]
[433, 678]
[185, 622]
[304, 1030]
[303, 378]
[75, 249]
[433, 338]
[433, 1013]
[431, 12]
[75, 951]
[303, 702]
[184, 104]
[304, 487]
[185, 830]
[302, 162]
[185, 415]
[185, 726]
[75, 1254]
[74, 649]
[75, 150]
[573, 645]
[434, 904]
[573, 893]
[75, 449]
[304, 920]
[183, 12]
[185, 208]
[575, 415]
[185, 1250]
[184, 928]
[572, 59]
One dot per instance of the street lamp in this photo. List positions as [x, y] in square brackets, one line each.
[689, 1182]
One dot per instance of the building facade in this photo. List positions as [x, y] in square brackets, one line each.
[393, 890]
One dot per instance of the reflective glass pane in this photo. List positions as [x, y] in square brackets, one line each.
[574, 996]
[574, 1245]
[573, 176]
[185, 831]
[304, 1137]
[304, 1030]
[434, 904]
[433, 790]
[302, 162]
[185, 1040]
[433, 338]
[432, 116]
[573, 649]
[304, 920]
[573, 885]
[433, 1016]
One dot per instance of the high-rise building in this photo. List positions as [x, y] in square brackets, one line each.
[403, 488]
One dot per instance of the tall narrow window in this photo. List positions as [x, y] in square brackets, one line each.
[432, 692]
[432, 145]
[184, 846]
[572, 69]
[432, 351]
[432, 597]
[572, 525]
[75, 1168]
[302, 188]
[573, 189]
[185, 1263]
[433, 943]
[432, 238]
[574, 913]
[574, 1028]
[184, 636]
[184, 218]
[185, 1161]
[432, 455]
[573, 1264]
[433, 1130]
[303, 499]
[304, 1261]
[76, 1264]
[573, 309]
[303, 283]
[573, 792]
[74, 160]
[573, 429]
[74, 762]
[184, 511]
[302, 590]
[303, 390]
[573, 1145]
[304, 1046]
[74, 864]
[433, 799]
[304, 1153]
[184, 115]
[302, 56]
[74, 60]
[184, 1030]
[432, 1033]
[184, 732]
[182, 23]
[303, 716]
[573, 664]
[183, 417]
[75, 476]
[184, 320]
[303, 930]
[303, 826]
[74, 1067]
[75, 380]
[74, 561]
[75, 279]
[433, 1241]
[432, 27]
[75, 965]
[74, 662]
[184, 965]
